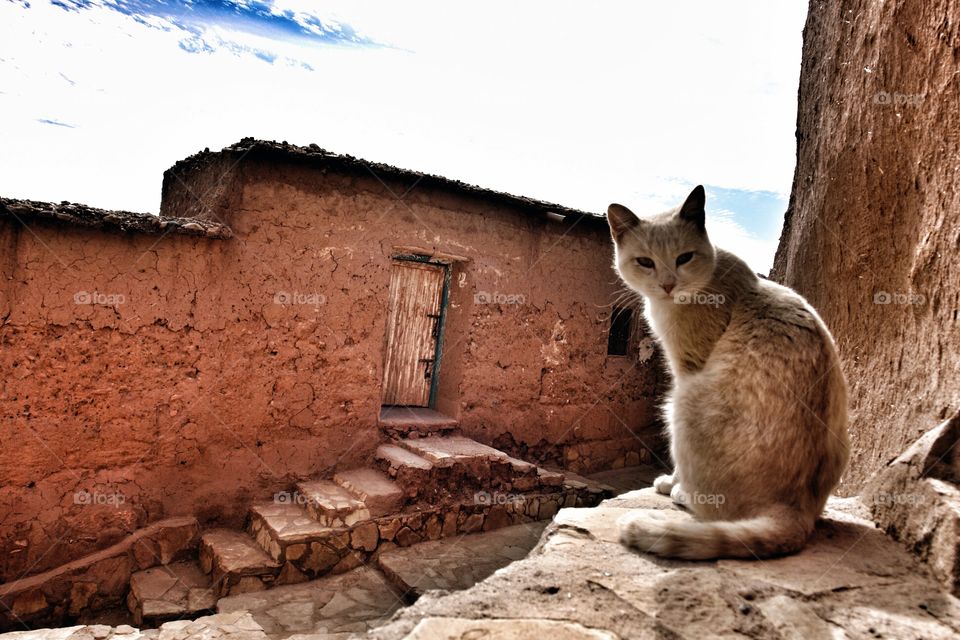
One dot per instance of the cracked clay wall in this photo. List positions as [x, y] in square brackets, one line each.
[148, 376]
[872, 235]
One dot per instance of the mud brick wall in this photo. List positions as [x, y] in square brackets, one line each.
[157, 375]
[872, 236]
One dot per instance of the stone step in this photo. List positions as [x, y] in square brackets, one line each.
[170, 592]
[550, 478]
[331, 504]
[415, 421]
[379, 493]
[521, 475]
[460, 461]
[284, 530]
[411, 472]
[40, 598]
[399, 458]
[305, 548]
[446, 451]
[235, 562]
[289, 546]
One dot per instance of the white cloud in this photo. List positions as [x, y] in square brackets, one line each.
[625, 101]
[725, 232]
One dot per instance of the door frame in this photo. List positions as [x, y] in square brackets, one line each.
[441, 321]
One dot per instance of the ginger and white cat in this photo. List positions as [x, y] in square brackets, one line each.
[757, 416]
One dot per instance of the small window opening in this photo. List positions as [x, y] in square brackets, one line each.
[618, 342]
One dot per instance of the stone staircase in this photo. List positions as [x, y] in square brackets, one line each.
[422, 486]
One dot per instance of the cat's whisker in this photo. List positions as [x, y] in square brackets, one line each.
[625, 298]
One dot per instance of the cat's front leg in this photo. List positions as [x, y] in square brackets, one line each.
[664, 484]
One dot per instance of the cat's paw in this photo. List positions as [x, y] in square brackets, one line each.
[664, 484]
[679, 496]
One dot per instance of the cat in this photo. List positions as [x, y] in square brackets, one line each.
[757, 413]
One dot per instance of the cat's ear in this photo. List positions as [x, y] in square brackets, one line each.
[620, 220]
[693, 209]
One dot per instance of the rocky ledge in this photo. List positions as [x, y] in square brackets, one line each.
[851, 581]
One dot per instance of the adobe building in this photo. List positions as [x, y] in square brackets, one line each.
[290, 314]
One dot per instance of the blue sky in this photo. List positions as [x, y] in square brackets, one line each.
[577, 103]
[270, 20]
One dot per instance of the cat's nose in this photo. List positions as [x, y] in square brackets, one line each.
[667, 287]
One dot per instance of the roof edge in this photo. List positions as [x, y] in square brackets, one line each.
[314, 154]
[26, 211]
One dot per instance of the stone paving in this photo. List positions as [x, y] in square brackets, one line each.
[579, 582]
[330, 608]
[513, 629]
[626, 478]
[458, 563]
[339, 606]
[236, 625]
[362, 599]
[420, 489]
[173, 591]
[851, 581]
[182, 591]
[230, 626]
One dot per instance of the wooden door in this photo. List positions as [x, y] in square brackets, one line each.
[413, 328]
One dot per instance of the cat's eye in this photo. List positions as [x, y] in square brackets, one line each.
[646, 263]
[684, 258]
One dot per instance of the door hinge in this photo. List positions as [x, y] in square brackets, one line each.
[435, 333]
[428, 366]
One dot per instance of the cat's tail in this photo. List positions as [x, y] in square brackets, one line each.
[779, 531]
